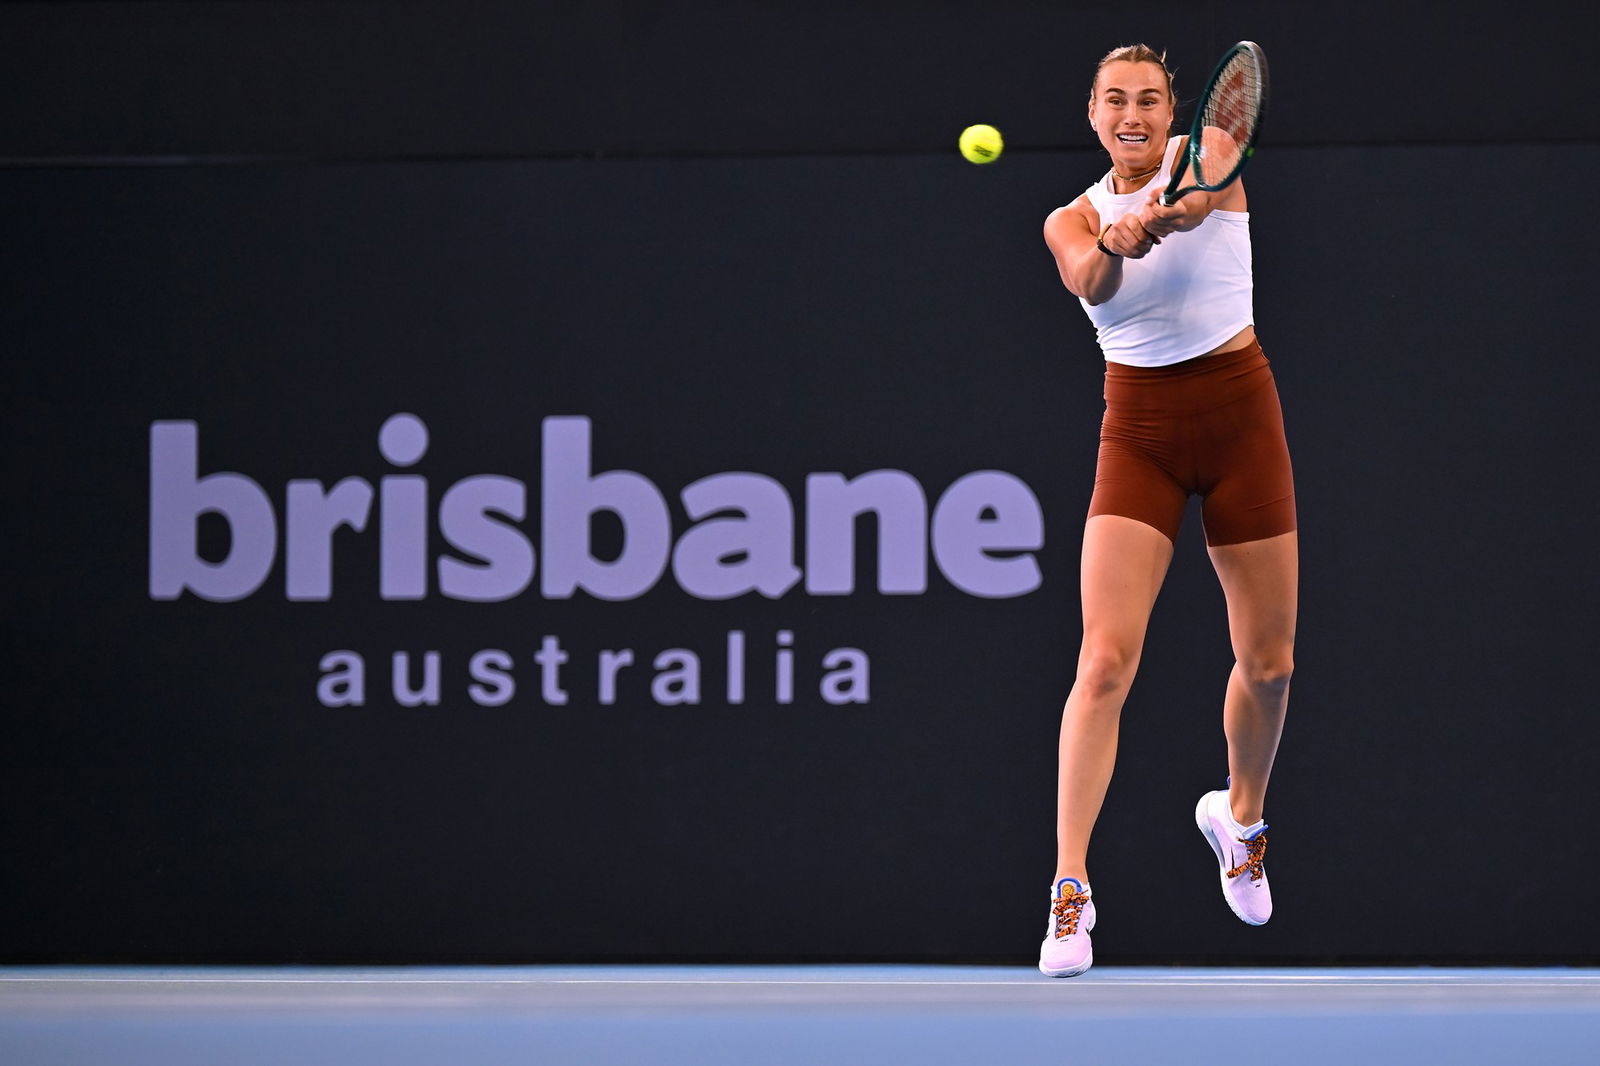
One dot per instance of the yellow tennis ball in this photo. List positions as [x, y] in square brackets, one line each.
[981, 144]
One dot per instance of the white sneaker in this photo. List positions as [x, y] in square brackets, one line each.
[1066, 951]
[1241, 851]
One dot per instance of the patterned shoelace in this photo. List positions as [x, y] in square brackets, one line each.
[1068, 910]
[1258, 854]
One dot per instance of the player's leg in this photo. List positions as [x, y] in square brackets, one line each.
[1250, 531]
[1124, 563]
[1260, 580]
[1250, 524]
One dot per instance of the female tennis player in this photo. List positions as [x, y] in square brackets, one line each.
[1191, 408]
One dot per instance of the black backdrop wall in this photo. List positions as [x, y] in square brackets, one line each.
[616, 255]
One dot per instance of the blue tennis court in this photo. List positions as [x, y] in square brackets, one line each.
[793, 1014]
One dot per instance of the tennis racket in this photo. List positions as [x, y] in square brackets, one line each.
[1226, 122]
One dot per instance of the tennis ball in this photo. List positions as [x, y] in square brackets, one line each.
[981, 144]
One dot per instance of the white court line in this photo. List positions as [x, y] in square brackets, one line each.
[1175, 982]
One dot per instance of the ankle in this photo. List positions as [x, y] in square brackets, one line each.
[1245, 817]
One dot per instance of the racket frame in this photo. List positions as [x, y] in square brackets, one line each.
[1191, 151]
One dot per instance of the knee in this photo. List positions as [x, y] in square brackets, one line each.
[1267, 671]
[1106, 669]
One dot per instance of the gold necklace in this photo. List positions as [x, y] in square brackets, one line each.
[1136, 177]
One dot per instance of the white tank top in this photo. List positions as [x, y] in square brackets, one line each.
[1191, 293]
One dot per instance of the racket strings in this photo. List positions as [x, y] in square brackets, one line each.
[1233, 108]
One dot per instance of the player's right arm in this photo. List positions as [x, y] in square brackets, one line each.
[1086, 271]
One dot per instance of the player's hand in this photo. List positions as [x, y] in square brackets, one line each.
[1129, 239]
[1162, 221]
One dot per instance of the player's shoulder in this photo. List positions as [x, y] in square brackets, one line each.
[1070, 216]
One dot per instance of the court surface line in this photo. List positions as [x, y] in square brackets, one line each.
[1261, 981]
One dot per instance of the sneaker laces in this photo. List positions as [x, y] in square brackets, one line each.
[1257, 848]
[1068, 909]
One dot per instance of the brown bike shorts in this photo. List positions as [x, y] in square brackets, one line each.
[1211, 426]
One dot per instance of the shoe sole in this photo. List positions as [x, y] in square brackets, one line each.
[1202, 822]
[1088, 927]
[1074, 972]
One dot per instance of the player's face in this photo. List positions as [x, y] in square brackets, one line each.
[1132, 112]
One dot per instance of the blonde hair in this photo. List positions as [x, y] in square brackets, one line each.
[1135, 53]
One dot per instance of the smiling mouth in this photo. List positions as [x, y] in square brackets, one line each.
[1133, 138]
